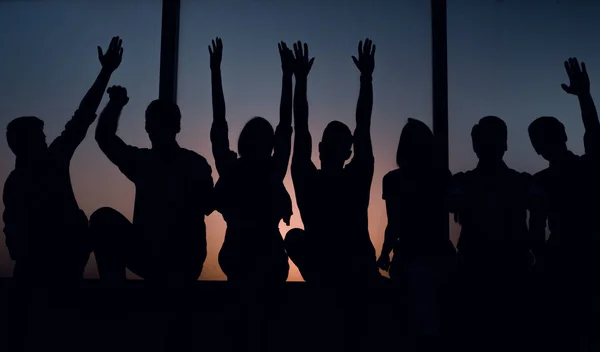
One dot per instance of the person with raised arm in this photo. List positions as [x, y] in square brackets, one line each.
[250, 193]
[174, 186]
[335, 245]
[253, 200]
[47, 234]
[572, 187]
[46, 231]
[335, 248]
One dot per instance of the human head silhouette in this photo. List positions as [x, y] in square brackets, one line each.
[256, 140]
[489, 138]
[163, 122]
[336, 145]
[548, 137]
[26, 138]
[415, 148]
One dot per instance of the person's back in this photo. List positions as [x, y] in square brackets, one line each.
[493, 200]
[494, 219]
[170, 195]
[570, 182]
[339, 210]
[250, 193]
[174, 191]
[46, 231]
[420, 196]
[334, 200]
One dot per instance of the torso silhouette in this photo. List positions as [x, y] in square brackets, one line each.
[493, 215]
[334, 208]
[573, 190]
[173, 192]
[43, 222]
[418, 198]
[253, 201]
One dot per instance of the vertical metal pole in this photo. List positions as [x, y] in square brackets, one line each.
[169, 50]
[439, 66]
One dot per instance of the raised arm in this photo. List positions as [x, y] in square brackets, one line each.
[111, 145]
[219, 132]
[579, 85]
[77, 127]
[365, 63]
[302, 140]
[283, 133]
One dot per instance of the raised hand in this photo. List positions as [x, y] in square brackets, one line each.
[303, 64]
[112, 58]
[579, 81]
[288, 61]
[366, 57]
[118, 95]
[216, 53]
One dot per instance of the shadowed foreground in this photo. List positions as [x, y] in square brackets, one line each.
[130, 318]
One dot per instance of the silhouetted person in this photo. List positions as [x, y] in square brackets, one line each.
[494, 249]
[167, 239]
[415, 195]
[46, 231]
[250, 193]
[335, 249]
[47, 234]
[572, 185]
[334, 201]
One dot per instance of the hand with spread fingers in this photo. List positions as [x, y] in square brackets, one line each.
[112, 58]
[366, 57]
[216, 53]
[303, 64]
[288, 61]
[579, 81]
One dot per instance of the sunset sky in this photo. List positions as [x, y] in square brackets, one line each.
[504, 58]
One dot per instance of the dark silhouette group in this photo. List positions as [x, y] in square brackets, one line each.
[503, 213]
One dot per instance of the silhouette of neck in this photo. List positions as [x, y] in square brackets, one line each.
[561, 157]
[166, 145]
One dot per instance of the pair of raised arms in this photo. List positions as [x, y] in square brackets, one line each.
[297, 61]
[293, 62]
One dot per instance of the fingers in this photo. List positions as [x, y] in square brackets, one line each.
[306, 50]
[373, 50]
[216, 46]
[100, 54]
[360, 48]
[566, 88]
[120, 53]
[112, 43]
[568, 67]
[310, 63]
[355, 60]
[575, 65]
